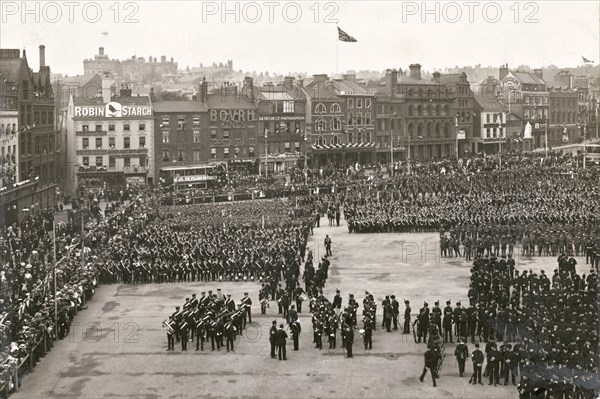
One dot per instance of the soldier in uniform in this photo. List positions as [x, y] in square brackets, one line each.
[477, 357]
[448, 314]
[437, 316]
[368, 337]
[281, 337]
[230, 333]
[273, 338]
[183, 333]
[349, 337]
[395, 312]
[462, 354]
[170, 326]
[247, 304]
[295, 329]
[431, 364]
[406, 317]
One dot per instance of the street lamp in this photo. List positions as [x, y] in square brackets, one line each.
[456, 133]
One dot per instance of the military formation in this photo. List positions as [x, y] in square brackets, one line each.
[214, 319]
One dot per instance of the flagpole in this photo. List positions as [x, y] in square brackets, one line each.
[337, 51]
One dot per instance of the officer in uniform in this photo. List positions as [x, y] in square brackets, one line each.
[448, 314]
[295, 329]
[368, 337]
[406, 317]
[395, 312]
[247, 303]
[462, 354]
[281, 337]
[477, 357]
[437, 316]
[230, 333]
[349, 337]
[431, 364]
[273, 338]
[183, 333]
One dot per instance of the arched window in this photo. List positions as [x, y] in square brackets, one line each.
[429, 129]
[411, 130]
[447, 130]
[368, 120]
[350, 119]
[428, 110]
[411, 110]
[462, 116]
[367, 136]
[335, 108]
[437, 130]
[437, 110]
[336, 123]
[320, 125]
[359, 119]
[335, 140]
[321, 140]
[351, 138]
[320, 109]
[446, 110]
[420, 130]
[419, 110]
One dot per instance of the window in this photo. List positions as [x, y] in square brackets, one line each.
[320, 125]
[446, 130]
[98, 162]
[213, 133]
[196, 155]
[320, 109]
[368, 120]
[111, 162]
[126, 161]
[297, 146]
[437, 130]
[126, 142]
[142, 127]
[419, 110]
[165, 154]
[225, 134]
[368, 103]
[429, 130]
[196, 137]
[126, 127]
[111, 128]
[196, 120]
[98, 128]
[86, 161]
[411, 130]
[98, 142]
[359, 103]
[165, 136]
[335, 108]
[251, 152]
[288, 107]
[111, 142]
[411, 110]
[85, 128]
[180, 156]
[213, 153]
[382, 124]
[350, 103]
[180, 123]
[287, 147]
[226, 152]
[165, 121]
[487, 118]
[142, 142]
[335, 140]
[85, 143]
[420, 130]
[336, 123]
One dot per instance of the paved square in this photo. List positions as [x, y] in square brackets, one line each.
[118, 348]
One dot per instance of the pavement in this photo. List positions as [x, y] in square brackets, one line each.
[117, 347]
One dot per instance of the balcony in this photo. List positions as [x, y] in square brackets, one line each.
[91, 133]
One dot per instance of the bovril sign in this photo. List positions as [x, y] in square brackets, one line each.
[233, 118]
[113, 110]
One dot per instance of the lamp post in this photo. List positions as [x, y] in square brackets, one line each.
[456, 133]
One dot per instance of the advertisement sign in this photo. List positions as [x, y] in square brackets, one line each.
[112, 110]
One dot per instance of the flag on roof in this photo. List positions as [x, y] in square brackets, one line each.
[344, 37]
[586, 61]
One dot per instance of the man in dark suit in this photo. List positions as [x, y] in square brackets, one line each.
[281, 337]
[349, 337]
[337, 300]
[431, 364]
[273, 338]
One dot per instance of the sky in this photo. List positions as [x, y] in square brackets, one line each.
[301, 36]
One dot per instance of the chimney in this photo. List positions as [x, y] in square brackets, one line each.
[24, 54]
[349, 77]
[321, 78]
[42, 56]
[503, 71]
[150, 59]
[171, 59]
[152, 95]
[415, 71]
[203, 95]
[539, 73]
[288, 82]
[300, 83]
[436, 77]
[248, 88]
[163, 58]
[106, 90]
[392, 81]
[101, 51]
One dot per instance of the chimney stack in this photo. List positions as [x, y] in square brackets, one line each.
[320, 78]
[203, 95]
[248, 88]
[152, 95]
[101, 51]
[392, 81]
[171, 59]
[163, 58]
[539, 73]
[288, 82]
[42, 56]
[106, 90]
[415, 71]
[436, 77]
[503, 71]
[349, 77]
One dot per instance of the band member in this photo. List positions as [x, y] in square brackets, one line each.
[299, 293]
[368, 337]
[349, 337]
[230, 332]
[263, 297]
[437, 316]
[247, 302]
[462, 354]
[448, 315]
[183, 333]
[170, 327]
[477, 358]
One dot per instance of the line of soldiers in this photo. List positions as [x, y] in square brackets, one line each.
[211, 317]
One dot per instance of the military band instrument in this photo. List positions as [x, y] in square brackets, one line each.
[168, 327]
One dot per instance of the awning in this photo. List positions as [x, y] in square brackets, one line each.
[350, 146]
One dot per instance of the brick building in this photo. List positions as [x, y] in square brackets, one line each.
[564, 112]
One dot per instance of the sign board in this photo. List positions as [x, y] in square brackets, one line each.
[112, 110]
[233, 118]
[281, 118]
[461, 135]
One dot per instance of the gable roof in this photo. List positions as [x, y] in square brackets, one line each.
[488, 103]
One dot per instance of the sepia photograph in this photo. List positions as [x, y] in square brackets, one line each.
[299, 199]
